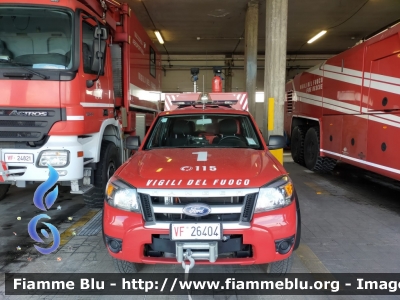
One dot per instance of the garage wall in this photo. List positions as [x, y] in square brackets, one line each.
[177, 77]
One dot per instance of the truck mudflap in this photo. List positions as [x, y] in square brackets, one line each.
[209, 251]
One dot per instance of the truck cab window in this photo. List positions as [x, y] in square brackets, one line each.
[39, 38]
[87, 43]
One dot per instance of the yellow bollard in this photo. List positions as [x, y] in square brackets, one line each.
[278, 153]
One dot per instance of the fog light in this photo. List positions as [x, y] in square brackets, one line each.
[283, 246]
[115, 245]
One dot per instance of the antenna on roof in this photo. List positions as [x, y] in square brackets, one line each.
[203, 84]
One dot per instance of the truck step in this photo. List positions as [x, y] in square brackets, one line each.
[83, 189]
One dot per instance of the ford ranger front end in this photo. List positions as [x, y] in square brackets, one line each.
[204, 188]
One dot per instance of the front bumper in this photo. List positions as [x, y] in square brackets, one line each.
[265, 229]
[12, 172]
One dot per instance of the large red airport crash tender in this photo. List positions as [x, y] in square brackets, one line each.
[348, 108]
[72, 76]
[202, 187]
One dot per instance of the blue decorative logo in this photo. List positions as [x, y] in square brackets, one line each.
[38, 198]
[196, 210]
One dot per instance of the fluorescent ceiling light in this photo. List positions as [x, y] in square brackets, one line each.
[317, 36]
[159, 37]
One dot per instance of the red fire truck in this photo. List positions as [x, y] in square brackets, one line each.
[202, 187]
[71, 76]
[348, 108]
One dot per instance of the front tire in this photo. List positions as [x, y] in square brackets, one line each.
[123, 266]
[280, 268]
[108, 164]
[312, 158]
[3, 190]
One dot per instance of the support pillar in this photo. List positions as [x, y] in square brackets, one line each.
[275, 69]
[250, 53]
[228, 74]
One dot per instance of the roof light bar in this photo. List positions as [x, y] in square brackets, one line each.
[183, 102]
[206, 100]
[230, 102]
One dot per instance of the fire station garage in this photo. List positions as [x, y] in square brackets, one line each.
[175, 149]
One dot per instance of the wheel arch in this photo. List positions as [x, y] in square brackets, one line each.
[110, 130]
[307, 122]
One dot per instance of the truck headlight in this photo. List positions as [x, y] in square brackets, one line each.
[275, 195]
[121, 195]
[53, 158]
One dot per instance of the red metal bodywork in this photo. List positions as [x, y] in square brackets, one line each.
[258, 167]
[71, 94]
[355, 97]
[88, 110]
[265, 229]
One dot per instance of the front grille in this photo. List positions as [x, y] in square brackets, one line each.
[206, 200]
[23, 144]
[227, 209]
[249, 208]
[289, 99]
[146, 207]
[19, 134]
[28, 124]
[7, 123]
[208, 218]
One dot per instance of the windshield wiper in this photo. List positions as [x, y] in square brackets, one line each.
[243, 147]
[188, 146]
[11, 62]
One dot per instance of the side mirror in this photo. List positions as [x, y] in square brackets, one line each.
[100, 32]
[98, 52]
[276, 142]
[97, 55]
[132, 142]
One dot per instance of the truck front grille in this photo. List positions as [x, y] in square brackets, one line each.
[8, 123]
[19, 134]
[28, 124]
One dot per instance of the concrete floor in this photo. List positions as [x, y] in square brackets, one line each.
[350, 224]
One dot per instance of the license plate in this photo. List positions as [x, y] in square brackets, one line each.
[18, 158]
[196, 231]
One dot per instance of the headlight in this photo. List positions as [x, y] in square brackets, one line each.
[53, 158]
[276, 195]
[121, 195]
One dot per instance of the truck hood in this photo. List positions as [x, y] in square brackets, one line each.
[200, 168]
[30, 93]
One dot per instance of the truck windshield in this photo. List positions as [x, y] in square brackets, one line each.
[39, 38]
[202, 131]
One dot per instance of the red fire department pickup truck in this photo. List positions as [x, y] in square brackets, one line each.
[202, 187]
